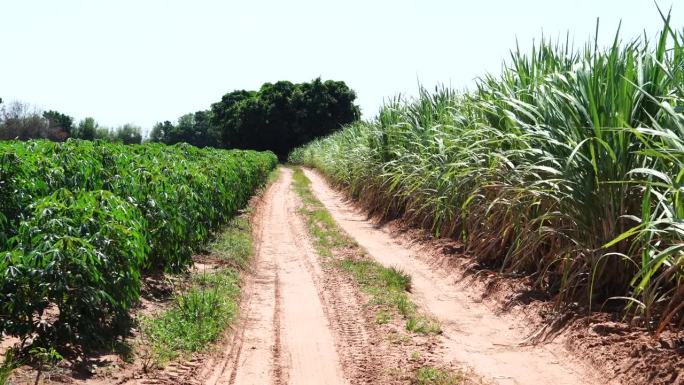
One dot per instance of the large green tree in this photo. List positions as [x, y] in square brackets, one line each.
[86, 129]
[195, 129]
[160, 131]
[278, 117]
[128, 134]
[59, 125]
[226, 116]
[283, 115]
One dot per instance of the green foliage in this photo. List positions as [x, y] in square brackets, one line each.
[195, 129]
[46, 358]
[569, 165]
[197, 317]
[128, 134]
[9, 363]
[429, 375]
[278, 117]
[86, 129]
[201, 313]
[79, 220]
[161, 132]
[234, 243]
[387, 287]
[61, 125]
[79, 253]
[103, 133]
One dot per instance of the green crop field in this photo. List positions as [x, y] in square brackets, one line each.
[569, 166]
[450, 192]
[80, 221]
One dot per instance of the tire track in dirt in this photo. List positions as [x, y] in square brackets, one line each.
[323, 333]
[301, 321]
[473, 335]
[360, 347]
[287, 337]
[252, 358]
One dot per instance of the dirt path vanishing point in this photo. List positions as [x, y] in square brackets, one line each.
[284, 336]
[474, 336]
[300, 323]
[304, 323]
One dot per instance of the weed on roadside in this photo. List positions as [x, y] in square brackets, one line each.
[196, 319]
[387, 286]
[322, 227]
[234, 244]
[201, 313]
[436, 376]
[388, 289]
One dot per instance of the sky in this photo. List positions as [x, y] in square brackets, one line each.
[145, 61]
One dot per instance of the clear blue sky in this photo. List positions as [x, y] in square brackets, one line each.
[145, 61]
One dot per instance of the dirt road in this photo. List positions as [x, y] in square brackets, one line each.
[301, 323]
[473, 334]
[285, 336]
[304, 322]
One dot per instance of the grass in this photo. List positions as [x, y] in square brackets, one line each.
[327, 236]
[8, 365]
[567, 167]
[386, 286]
[435, 376]
[200, 314]
[196, 319]
[234, 244]
[388, 289]
[272, 176]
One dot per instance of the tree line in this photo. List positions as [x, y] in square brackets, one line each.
[278, 117]
[21, 121]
